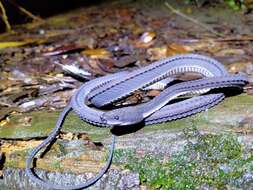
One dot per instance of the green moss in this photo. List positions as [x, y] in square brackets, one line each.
[215, 161]
[56, 165]
[3, 187]
[42, 124]
[233, 4]
[221, 114]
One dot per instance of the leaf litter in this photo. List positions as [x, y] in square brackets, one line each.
[42, 63]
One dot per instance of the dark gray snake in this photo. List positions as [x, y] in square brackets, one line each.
[108, 89]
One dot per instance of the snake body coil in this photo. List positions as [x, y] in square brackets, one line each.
[106, 90]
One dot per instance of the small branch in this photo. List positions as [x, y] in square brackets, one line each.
[5, 18]
[243, 38]
[5, 104]
[191, 19]
[23, 10]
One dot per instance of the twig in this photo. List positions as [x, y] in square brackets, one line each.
[226, 39]
[5, 104]
[25, 11]
[236, 39]
[191, 19]
[5, 18]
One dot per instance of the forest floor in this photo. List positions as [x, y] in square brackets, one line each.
[210, 150]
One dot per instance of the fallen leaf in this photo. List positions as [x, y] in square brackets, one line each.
[147, 37]
[5, 111]
[6, 83]
[23, 93]
[229, 51]
[188, 76]
[20, 43]
[245, 67]
[3, 122]
[96, 68]
[124, 14]
[153, 93]
[125, 61]
[74, 136]
[248, 89]
[208, 45]
[157, 53]
[146, 40]
[66, 136]
[136, 98]
[174, 49]
[12, 44]
[9, 147]
[62, 49]
[97, 53]
[106, 65]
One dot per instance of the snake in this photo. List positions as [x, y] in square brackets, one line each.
[89, 102]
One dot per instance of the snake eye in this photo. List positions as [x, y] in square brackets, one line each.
[116, 117]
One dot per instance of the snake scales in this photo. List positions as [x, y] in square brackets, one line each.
[108, 89]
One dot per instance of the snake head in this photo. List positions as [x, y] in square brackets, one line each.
[122, 116]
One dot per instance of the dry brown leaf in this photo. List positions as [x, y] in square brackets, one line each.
[124, 14]
[174, 49]
[245, 67]
[157, 53]
[208, 45]
[5, 83]
[97, 53]
[66, 136]
[62, 49]
[96, 68]
[153, 93]
[9, 147]
[125, 61]
[229, 52]
[4, 122]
